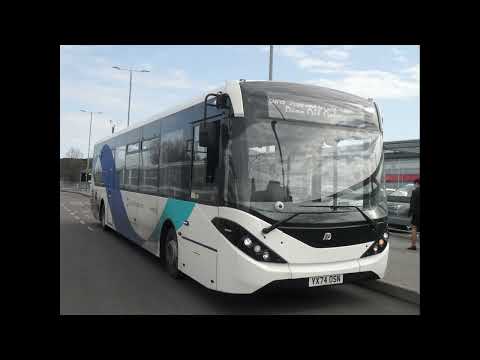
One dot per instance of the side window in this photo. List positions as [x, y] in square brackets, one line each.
[120, 167]
[132, 160]
[205, 166]
[175, 165]
[150, 161]
[97, 170]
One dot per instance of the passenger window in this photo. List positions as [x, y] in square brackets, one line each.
[133, 147]
[174, 179]
[120, 167]
[149, 169]
[97, 173]
[131, 171]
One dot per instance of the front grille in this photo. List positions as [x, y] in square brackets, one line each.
[302, 283]
[340, 236]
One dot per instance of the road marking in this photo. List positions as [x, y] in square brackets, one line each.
[82, 222]
[89, 228]
[77, 217]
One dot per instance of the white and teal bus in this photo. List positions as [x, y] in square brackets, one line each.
[256, 184]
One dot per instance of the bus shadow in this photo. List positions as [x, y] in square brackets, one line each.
[197, 299]
[278, 301]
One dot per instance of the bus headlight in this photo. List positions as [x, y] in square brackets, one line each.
[246, 242]
[376, 248]
[385, 235]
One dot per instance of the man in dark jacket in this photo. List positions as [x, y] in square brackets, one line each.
[414, 212]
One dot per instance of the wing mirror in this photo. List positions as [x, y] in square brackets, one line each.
[222, 101]
[208, 131]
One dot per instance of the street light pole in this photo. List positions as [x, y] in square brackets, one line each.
[271, 63]
[89, 137]
[88, 151]
[129, 99]
[130, 88]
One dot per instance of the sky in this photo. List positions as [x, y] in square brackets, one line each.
[387, 73]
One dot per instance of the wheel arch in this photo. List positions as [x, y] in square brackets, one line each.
[102, 204]
[167, 225]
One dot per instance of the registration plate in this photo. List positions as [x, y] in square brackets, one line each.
[325, 280]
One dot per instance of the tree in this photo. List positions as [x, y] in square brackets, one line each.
[74, 153]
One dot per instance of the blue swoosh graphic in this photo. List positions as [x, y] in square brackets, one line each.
[117, 207]
[176, 210]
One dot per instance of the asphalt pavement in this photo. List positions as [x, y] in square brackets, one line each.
[403, 265]
[102, 272]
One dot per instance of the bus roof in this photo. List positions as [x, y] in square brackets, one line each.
[232, 88]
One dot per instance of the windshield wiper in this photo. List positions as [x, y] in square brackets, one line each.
[334, 207]
[278, 223]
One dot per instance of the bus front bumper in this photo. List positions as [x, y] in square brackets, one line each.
[268, 276]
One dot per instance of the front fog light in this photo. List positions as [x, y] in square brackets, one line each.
[247, 242]
[385, 235]
[266, 255]
[375, 248]
[257, 248]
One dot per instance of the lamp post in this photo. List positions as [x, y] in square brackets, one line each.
[89, 137]
[130, 88]
[271, 63]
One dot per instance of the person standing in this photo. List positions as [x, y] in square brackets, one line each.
[414, 212]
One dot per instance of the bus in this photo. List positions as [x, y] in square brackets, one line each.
[254, 185]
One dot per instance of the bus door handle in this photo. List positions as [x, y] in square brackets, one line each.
[186, 223]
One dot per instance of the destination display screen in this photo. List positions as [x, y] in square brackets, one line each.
[315, 110]
[300, 110]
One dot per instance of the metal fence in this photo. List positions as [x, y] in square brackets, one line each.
[75, 186]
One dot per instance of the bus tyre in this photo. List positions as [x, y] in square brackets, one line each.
[171, 254]
[102, 217]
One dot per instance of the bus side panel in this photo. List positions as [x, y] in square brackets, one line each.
[198, 262]
[149, 221]
[98, 194]
[198, 245]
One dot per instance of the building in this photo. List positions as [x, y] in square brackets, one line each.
[402, 162]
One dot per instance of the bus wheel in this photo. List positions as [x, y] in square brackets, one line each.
[102, 217]
[171, 254]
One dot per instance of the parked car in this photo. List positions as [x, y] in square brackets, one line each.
[390, 190]
[398, 205]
